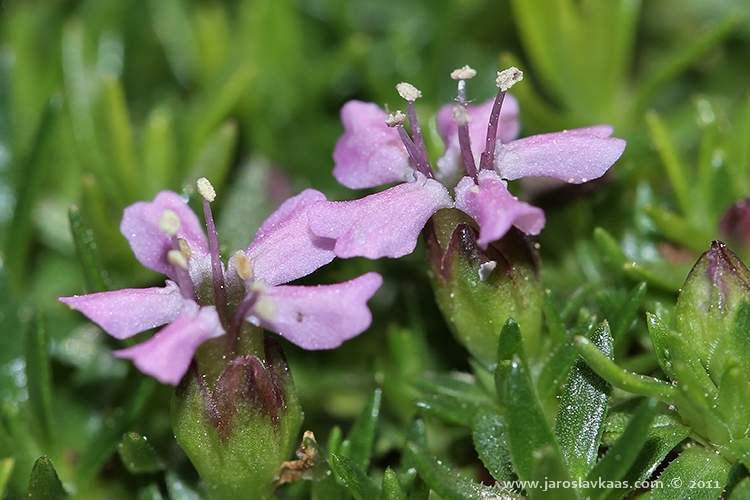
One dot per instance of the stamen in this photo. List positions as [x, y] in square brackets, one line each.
[243, 266]
[169, 222]
[235, 325]
[265, 309]
[177, 259]
[184, 248]
[462, 119]
[505, 80]
[206, 189]
[461, 116]
[408, 92]
[465, 73]
[208, 193]
[396, 120]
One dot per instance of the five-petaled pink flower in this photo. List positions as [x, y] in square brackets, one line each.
[376, 149]
[204, 299]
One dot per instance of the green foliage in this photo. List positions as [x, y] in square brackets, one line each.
[105, 103]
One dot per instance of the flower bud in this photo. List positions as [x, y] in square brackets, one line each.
[712, 308]
[239, 430]
[479, 290]
[735, 225]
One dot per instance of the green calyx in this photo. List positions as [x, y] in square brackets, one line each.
[238, 430]
[478, 290]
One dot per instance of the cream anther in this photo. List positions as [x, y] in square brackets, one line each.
[408, 92]
[460, 116]
[243, 265]
[176, 258]
[205, 189]
[508, 77]
[465, 73]
[169, 222]
[395, 119]
[265, 309]
[184, 248]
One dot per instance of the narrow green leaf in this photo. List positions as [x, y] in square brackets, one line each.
[179, 489]
[613, 254]
[677, 170]
[528, 429]
[696, 405]
[17, 247]
[361, 437]
[97, 279]
[734, 393]
[623, 454]
[104, 443]
[335, 438]
[220, 96]
[659, 334]
[626, 313]
[680, 229]
[490, 441]
[172, 22]
[741, 491]
[740, 340]
[118, 138]
[739, 471]
[391, 487]
[623, 379]
[137, 455]
[159, 152]
[677, 63]
[419, 489]
[510, 344]
[44, 483]
[214, 160]
[665, 434]
[738, 156]
[548, 471]
[706, 176]
[455, 397]
[697, 474]
[6, 469]
[150, 492]
[660, 275]
[583, 406]
[415, 433]
[354, 478]
[446, 483]
[553, 319]
[40, 379]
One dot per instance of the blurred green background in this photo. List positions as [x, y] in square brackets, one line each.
[106, 102]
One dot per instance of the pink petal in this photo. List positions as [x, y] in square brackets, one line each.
[284, 248]
[450, 163]
[573, 156]
[369, 153]
[324, 316]
[123, 313]
[384, 224]
[167, 355]
[492, 206]
[140, 225]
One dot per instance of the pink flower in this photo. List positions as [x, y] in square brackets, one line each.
[372, 152]
[204, 299]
